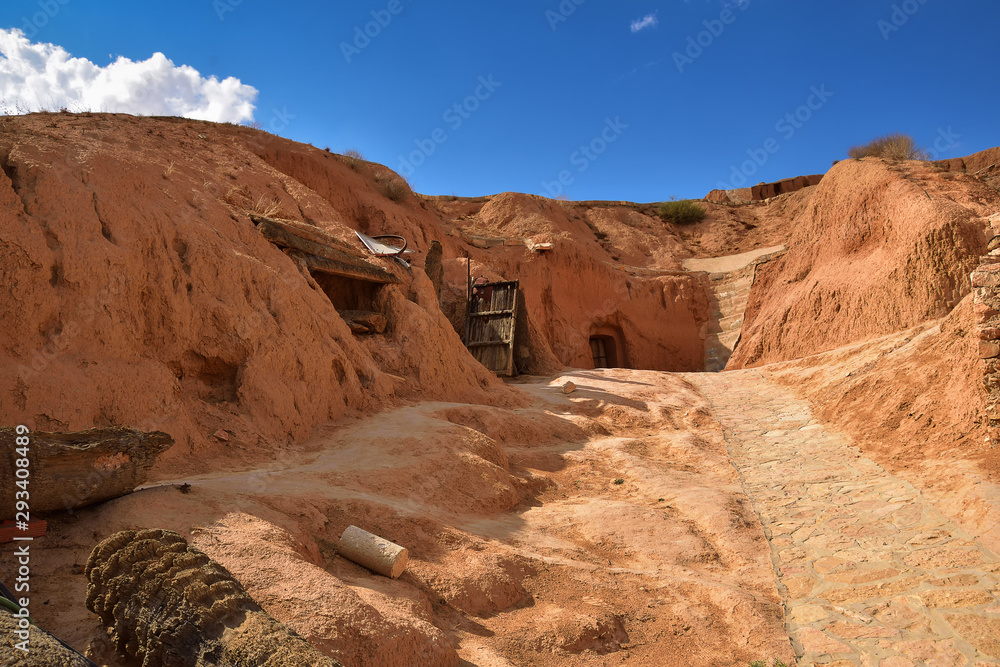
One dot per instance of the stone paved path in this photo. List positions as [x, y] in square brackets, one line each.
[871, 574]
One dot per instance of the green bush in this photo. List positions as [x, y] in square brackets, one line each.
[682, 212]
[893, 146]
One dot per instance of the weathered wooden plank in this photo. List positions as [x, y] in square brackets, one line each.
[309, 233]
[513, 326]
[356, 270]
[491, 313]
[282, 237]
[70, 470]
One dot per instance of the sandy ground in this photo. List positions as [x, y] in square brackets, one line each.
[602, 527]
[642, 519]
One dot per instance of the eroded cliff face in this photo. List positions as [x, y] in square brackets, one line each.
[877, 248]
[138, 293]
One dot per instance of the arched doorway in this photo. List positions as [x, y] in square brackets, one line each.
[607, 347]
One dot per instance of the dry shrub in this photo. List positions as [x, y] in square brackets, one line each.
[392, 186]
[241, 198]
[266, 207]
[895, 146]
[238, 197]
[682, 212]
[353, 159]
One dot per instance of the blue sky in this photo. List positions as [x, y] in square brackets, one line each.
[571, 98]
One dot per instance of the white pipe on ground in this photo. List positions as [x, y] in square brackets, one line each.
[371, 551]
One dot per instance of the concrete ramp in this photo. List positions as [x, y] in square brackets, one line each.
[729, 280]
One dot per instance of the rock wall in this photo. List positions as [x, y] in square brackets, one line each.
[986, 288]
[763, 191]
[569, 295]
[580, 284]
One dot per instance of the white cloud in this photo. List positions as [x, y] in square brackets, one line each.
[647, 21]
[45, 76]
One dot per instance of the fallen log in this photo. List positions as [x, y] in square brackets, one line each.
[70, 470]
[169, 605]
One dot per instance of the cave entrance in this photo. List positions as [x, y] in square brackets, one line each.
[607, 347]
[348, 279]
[355, 301]
[347, 293]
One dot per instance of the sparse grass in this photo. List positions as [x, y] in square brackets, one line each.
[266, 208]
[682, 212]
[169, 171]
[238, 196]
[895, 146]
[763, 663]
[353, 159]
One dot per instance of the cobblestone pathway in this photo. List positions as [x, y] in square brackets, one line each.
[871, 574]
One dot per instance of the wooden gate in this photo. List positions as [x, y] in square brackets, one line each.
[490, 323]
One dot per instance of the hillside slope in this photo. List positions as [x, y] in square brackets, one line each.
[139, 293]
[878, 248]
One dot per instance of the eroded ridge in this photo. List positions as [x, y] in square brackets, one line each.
[871, 573]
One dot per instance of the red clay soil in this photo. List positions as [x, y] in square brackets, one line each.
[600, 527]
[877, 248]
[613, 265]
[145, 296]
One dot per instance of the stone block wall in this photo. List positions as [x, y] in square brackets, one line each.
[986, 287]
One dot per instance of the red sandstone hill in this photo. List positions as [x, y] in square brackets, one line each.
[875, 248]
[138, 292]
[143, 294]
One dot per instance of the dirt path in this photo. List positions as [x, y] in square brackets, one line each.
[871, 574]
